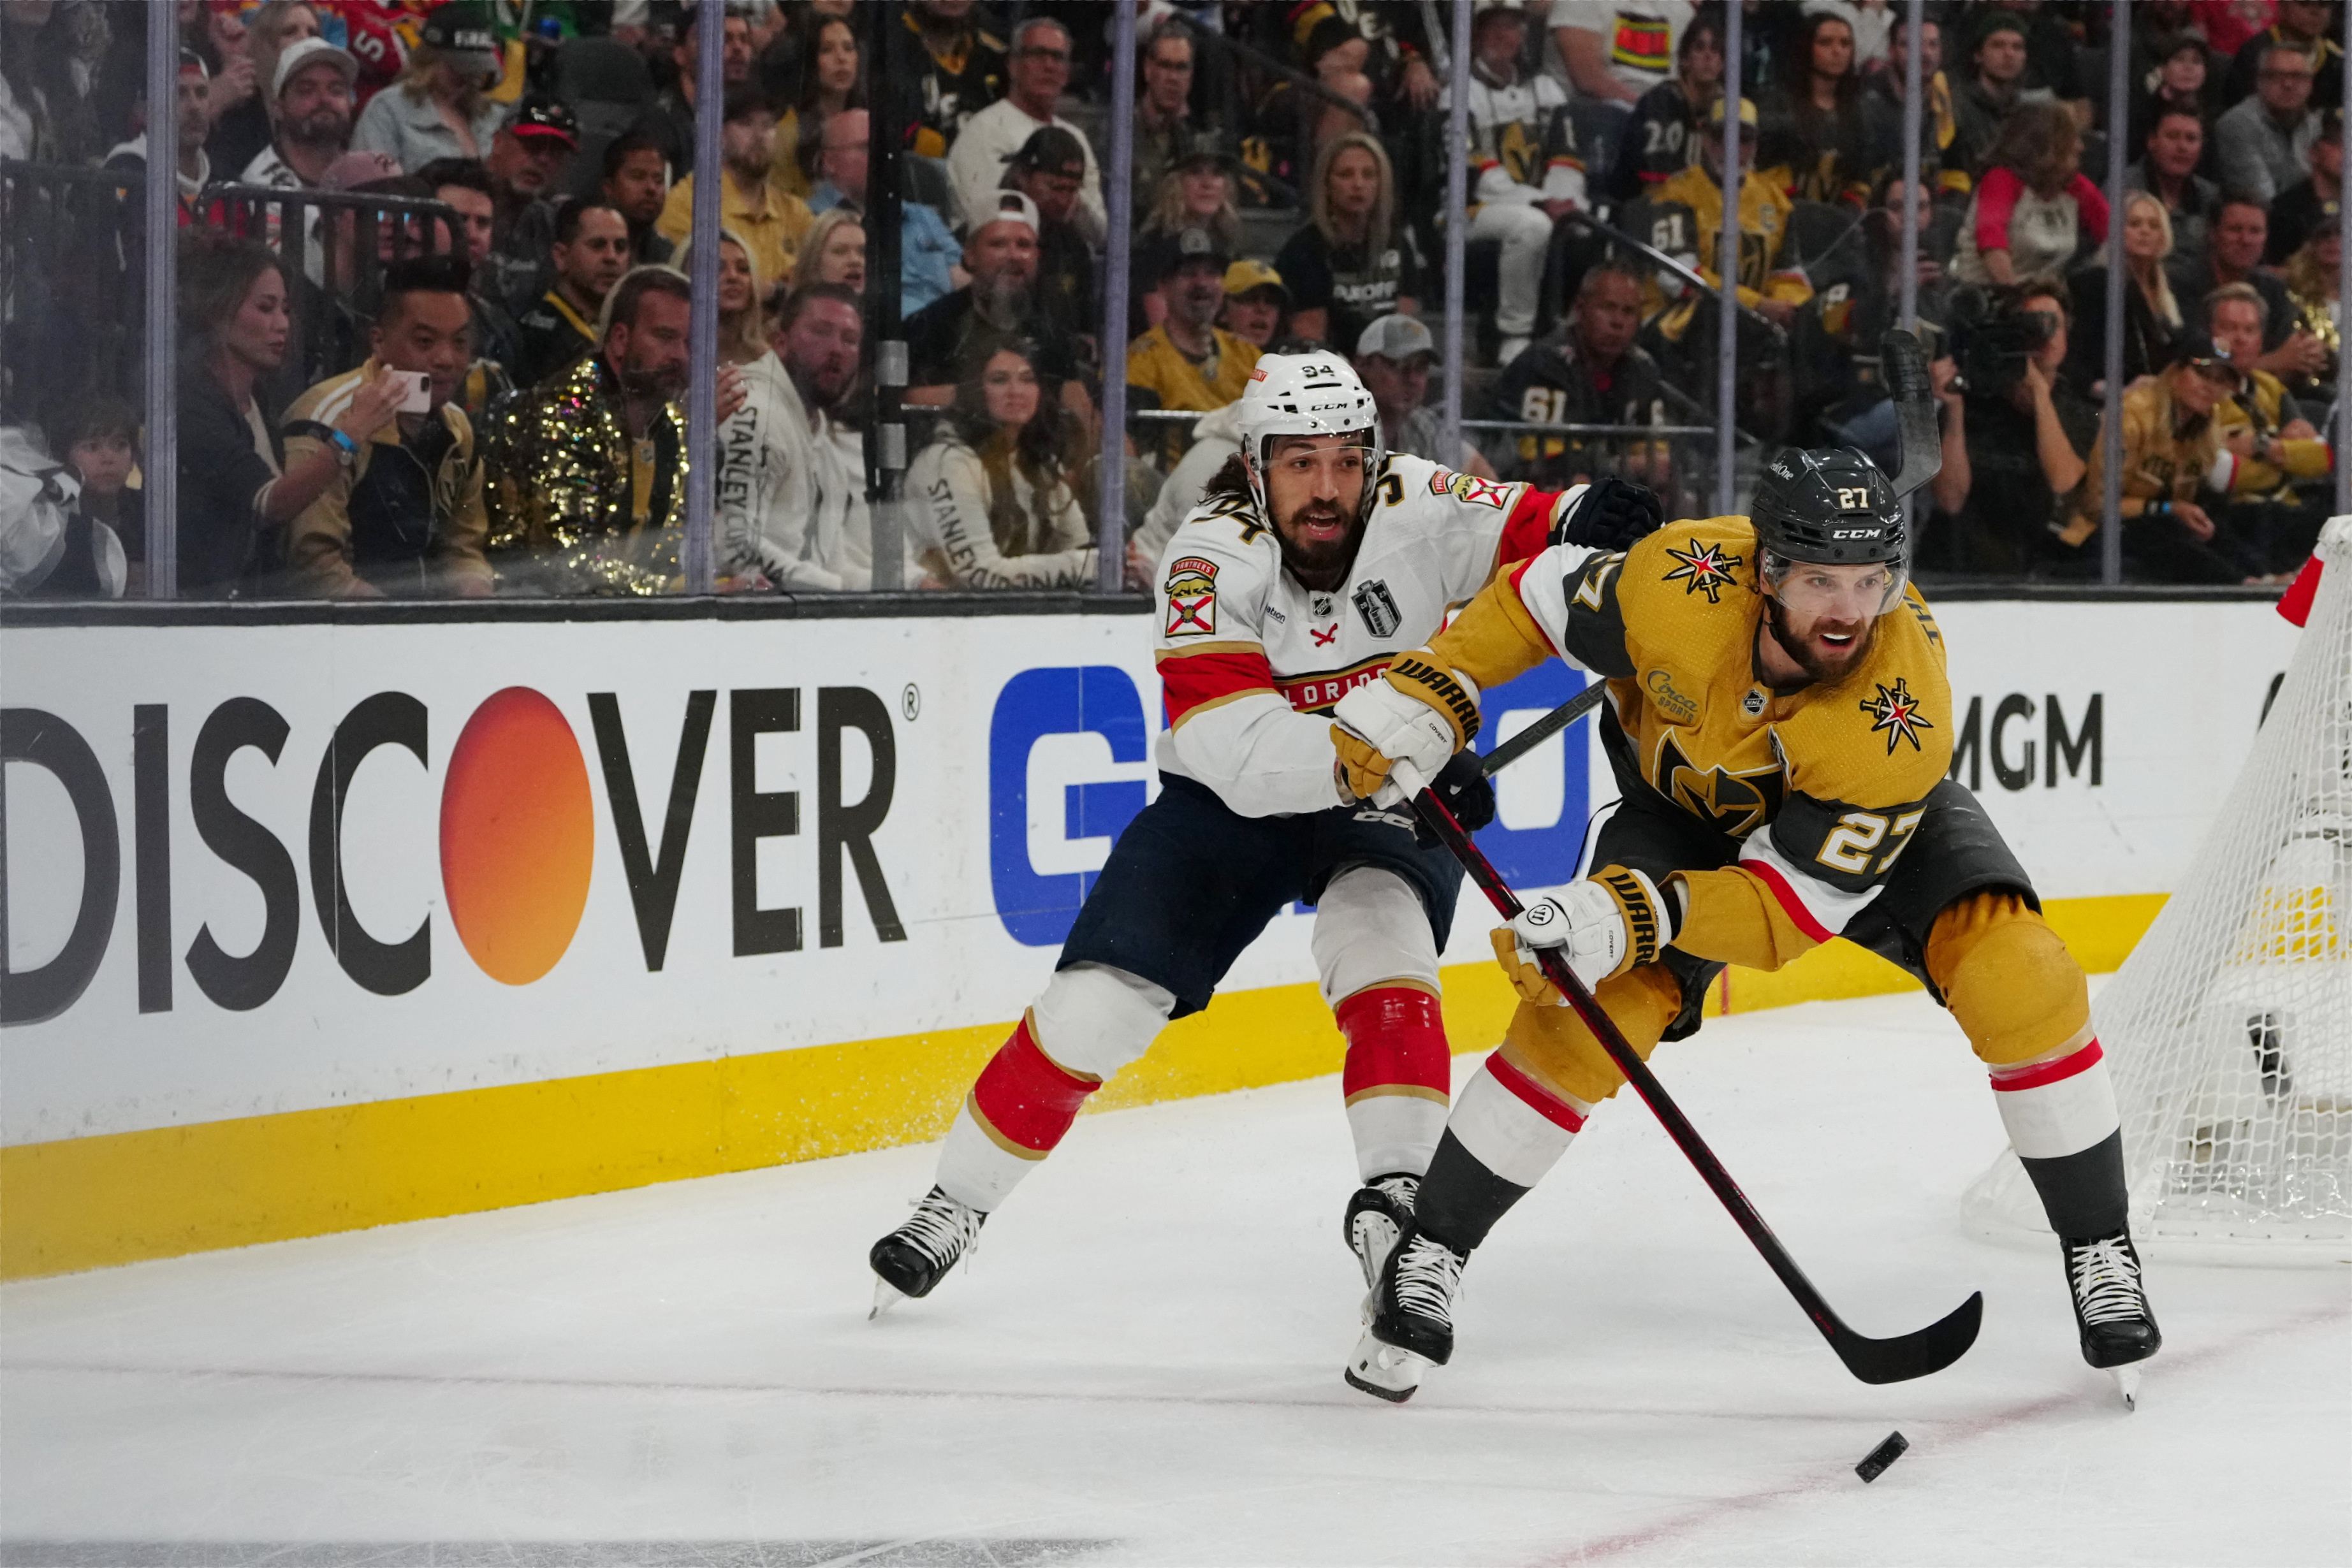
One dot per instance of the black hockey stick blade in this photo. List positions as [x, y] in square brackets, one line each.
[1897, 1360]
[1543, 729]
[1905, 365]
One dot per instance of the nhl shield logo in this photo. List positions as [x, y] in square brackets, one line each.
[1378, 607]
[1752, 705]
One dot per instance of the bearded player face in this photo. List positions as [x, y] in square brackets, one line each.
[1315, 487]
[1824, 616]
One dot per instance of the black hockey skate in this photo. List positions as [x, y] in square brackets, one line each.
[917, 1255]
[1411, 1317]
[2102, 1276]
[1376, 1215]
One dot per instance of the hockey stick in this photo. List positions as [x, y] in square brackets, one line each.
[1905, 365]
[1543, 729]
[1895, 1360]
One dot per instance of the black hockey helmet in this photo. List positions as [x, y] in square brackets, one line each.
[1830, 506]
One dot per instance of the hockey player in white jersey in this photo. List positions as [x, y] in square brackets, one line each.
[1314, 559]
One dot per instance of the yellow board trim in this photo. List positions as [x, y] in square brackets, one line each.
[87, 1203]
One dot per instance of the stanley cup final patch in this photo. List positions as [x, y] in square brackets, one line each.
[1378, 606]
[1192, 591]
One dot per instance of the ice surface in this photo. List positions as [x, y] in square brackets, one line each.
[1142, 1365]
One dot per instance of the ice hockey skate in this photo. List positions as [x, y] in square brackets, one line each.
[1409, 1320]
[917, 1256]
[1376, 1216]
[2111, 1310]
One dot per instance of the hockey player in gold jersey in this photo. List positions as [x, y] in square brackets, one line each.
[1780, 724]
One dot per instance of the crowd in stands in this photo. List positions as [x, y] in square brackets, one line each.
[433, 261]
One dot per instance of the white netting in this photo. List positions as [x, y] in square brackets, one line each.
[2230, 1027]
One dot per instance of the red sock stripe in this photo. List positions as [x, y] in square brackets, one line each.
[1533, 1095]
[1027, 1099]
[2042, 1073]
[1395, 1035]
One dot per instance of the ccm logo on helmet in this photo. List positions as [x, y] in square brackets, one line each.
[1856, 533]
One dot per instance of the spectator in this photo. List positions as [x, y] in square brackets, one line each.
[401, 515]
[742, 319]
[464, 185]
[670, 119]
[2301, 25]
[2304, 205]
[1348, 265]
[527, 160]
[2179, 83]
[591, 499]
[1255, 302]
[1615, 51]
[439, 108]
[1774, 291]
[2033, 203]
[193, 114]
[791, 511]
[1163, 105]
[929, 259]
[2153, 334]
[962, 71]
[240, 124]
[1196, 193]
[2312, 278]
[48, 57]
[1187, 362]
[1872, 23]
[998, 510]
[1990, 94]
[590, 254]
[2053, 57]
[835, 82]
[1392, 359]
[2174, 450]
[1942, 154]
[1050, 170]
[2234, 255]
[2167, 170]
[1587, 372]
[772, 221]
[312, 91]
[2015, 451]
[1662, 136]
[636, 185]
[2264, 507]
[834, 254]
[785, 59]
[1040, 69]
[1822, 128]
[2266, 141]
[1835, 343]
[1000, 302]
[1523, 150]
[236, 485]
[106, 534]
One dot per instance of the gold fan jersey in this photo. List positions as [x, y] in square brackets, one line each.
[1822, 785]
[1250, 658]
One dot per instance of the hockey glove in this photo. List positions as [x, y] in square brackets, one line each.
[1467, 792]
[1612, 514]
[1603, 926]
[1421, 713]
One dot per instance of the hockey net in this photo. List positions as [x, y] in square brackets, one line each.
[2230, 1027]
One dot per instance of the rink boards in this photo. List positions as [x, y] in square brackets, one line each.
[313, 925]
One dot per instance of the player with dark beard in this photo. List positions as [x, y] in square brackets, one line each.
[1780, 729]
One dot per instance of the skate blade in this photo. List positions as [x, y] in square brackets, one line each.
[885, 1296]
[2127, 1384]
[1384, 1371]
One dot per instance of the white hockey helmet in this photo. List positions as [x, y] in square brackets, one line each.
[1307, 394]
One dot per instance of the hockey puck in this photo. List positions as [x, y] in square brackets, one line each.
[1873, 1463]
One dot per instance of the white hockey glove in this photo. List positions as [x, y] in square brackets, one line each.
[1603, 926]
[1420, 713]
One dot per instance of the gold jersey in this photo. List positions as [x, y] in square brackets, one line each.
[1822, 785]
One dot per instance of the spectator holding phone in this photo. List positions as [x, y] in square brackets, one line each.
[402, 514]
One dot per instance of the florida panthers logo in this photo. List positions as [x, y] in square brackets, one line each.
[1703, 569]
[1897, 713]
[1191, 591]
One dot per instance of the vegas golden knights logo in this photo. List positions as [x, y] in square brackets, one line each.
[1733, 804]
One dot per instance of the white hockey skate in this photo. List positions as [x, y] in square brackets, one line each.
[917, 1255]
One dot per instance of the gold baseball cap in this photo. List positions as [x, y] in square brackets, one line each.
[1249, 274]
[1746, 112]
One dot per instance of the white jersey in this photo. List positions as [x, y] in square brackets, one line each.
[1251, 659]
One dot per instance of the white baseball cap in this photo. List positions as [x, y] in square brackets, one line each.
[1010, 207]
[1396, 337]
[306, 52]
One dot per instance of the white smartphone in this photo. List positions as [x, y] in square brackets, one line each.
[420, 391]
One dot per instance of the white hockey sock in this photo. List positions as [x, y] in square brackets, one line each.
[976, 1168]
[1513, 1125]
